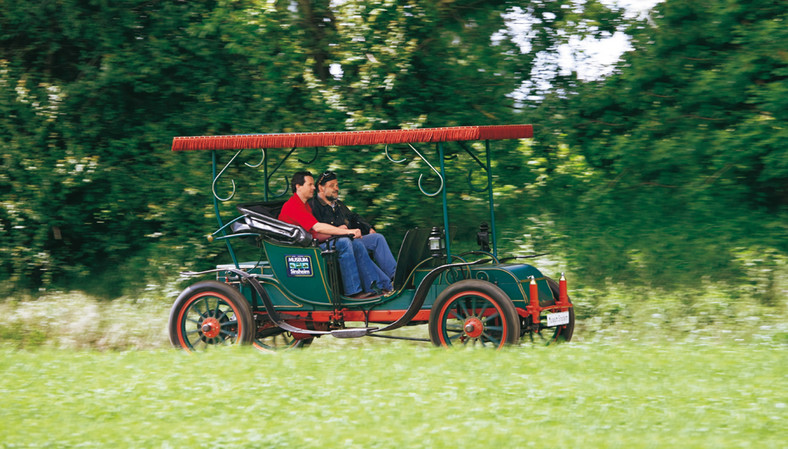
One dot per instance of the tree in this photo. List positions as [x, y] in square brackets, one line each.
[684, 143]
[92, 94]
[697, 106]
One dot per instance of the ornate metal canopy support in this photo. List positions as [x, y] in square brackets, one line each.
[216, 200]
[421, 176]
[481, 164]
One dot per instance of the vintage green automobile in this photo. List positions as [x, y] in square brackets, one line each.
[293, 294]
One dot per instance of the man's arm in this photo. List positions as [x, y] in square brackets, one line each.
[325, 228]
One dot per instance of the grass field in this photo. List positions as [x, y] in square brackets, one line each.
[398, 395]
[76, 372]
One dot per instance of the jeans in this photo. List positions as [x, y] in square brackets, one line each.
[357, 269]
[381, 253]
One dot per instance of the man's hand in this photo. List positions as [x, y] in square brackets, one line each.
[356, 232]
[325, 228]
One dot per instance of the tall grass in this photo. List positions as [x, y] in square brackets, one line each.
[77, 321]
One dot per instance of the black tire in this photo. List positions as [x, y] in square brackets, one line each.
[209, 314]
[271, 338]
[474, 312]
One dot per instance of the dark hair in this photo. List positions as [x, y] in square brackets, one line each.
[298, 179]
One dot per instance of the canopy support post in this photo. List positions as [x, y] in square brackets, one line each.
[265, 179]
[445, 204]
[216, 210]
[490, 196]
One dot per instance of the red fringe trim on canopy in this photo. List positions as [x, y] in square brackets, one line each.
[351, 138]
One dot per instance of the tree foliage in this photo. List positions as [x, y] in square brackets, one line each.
[681, 147]
[700, 106]
[91, 94]
[94, 95]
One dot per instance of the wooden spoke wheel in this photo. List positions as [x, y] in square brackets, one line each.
[272, 338]
[474, 313]
[210, 314]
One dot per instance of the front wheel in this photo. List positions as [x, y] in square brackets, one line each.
[474, 312]
[210, 314]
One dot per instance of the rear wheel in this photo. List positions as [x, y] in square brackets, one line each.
[210, 314]
[269, 337]
[474, 313]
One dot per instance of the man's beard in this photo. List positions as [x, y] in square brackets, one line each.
[331, 198]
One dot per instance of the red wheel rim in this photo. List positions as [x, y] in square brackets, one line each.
[209, 326]
[478, 320]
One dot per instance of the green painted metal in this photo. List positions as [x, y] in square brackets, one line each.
[301, 273]
[310, 293]
[265, 178]
[271, 175]
[216, 209]
[445, 202]
[490, 196]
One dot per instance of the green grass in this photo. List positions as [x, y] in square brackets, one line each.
[397, 395]
[703, 371]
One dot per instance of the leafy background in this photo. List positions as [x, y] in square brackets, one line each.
[665, 178]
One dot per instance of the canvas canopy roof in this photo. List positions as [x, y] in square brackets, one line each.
[352, 138]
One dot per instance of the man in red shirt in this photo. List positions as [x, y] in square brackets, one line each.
[354, 262]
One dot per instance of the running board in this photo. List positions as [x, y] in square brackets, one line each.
[352, 332]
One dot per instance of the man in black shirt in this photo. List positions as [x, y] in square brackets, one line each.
[327, 208]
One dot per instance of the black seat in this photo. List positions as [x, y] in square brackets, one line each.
[413, 250]
[261, 218]
[267, 208]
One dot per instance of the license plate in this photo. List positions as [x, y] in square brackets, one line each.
[557, 319]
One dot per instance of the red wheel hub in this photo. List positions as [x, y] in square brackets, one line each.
[473, 327]
[211, 327]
